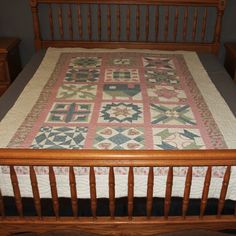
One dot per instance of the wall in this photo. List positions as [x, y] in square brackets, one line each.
[15, 20]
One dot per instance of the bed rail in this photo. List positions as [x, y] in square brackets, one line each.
[166, 25]
[128, 224]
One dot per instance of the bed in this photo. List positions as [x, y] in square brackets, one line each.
[72, 30]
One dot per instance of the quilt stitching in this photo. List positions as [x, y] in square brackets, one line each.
[134, 90]
[119, 138]
[60, 138]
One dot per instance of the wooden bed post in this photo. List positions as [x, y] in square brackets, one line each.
[37, 37]
[220, 13]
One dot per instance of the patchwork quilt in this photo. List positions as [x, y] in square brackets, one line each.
[123, 100]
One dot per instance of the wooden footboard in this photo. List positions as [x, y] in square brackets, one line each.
[159, 24]
[127, 225]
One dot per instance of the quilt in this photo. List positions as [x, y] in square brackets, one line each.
[123, 100]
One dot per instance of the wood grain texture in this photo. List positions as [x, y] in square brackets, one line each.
[129, 225]
[188, 183]
[223, 191]
[93, 194]
[161, 2]
[169, 184]
[16, 190]
[112, 192]
[167, 19]
[141, 158]
[37, 33]
[73, 192]
[120, 226]
[185, 26]
[195, 22]
[60, 21]
[212, 46]
[150, 185]
[128, 24]
[176, 23]
[109, 22]
[89, 23]
[118, 23]
[205, 191]
[35, 190]
[80, 26]
[53, 185]
[99, 22]
[138, 23]
[143, 225]
[70, 22]
[204, 24]
[130, 193]
[51, 21]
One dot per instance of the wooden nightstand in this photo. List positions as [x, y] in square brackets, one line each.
[10, 64]
[230, 59]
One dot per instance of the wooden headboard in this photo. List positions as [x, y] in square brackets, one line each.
[151, 24]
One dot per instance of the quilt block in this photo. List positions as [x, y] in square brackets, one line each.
[120, 101]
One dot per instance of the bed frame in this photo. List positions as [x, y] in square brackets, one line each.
[178, 24]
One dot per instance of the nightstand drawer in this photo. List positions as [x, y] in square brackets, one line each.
[10, 64]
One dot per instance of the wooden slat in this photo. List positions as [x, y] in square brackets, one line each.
[2, 210]
[138, 23]
[223, 192]
[93, 193]
[80, 22]
[89, 22]
[53, 186]
[205, 191]
[37, 33]
[218, 25]
[150, 191]
[16, 191]
[112, 192]
[99, 23]
[35, 190]
[73, 192]
[187, 189]
[169, 184]
[130, 193]
[128, 23]
[176, 23]
[51, 21]
[195, 22]
[157, 22]
[109, 22]
[147, 23]
[167, 19]
[70, 24]
[118, 22]
[185, 27]
[204, 23]
[60, 20]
